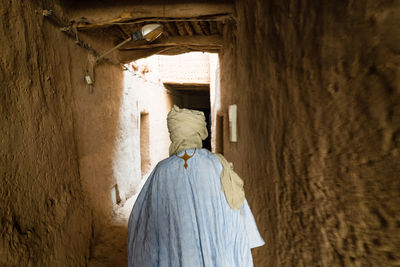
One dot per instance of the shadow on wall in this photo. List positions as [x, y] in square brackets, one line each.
[96, 116]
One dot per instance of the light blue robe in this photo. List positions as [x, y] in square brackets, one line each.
[182, 219]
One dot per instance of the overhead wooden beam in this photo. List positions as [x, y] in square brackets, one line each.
[181, 28]
[188, 28]
[132, 55]
[129, 56]
[122, 31]
[194, 47]
[100, 16]
[196, 27]
[195, 40]
[220, 27]
[215, 18]
[185, 49]
[187, 86]
[213, 27]
[205, 28]
[171, 28]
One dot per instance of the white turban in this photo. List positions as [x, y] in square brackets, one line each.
[187, 128]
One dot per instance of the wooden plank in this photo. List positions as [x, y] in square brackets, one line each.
[181, 28]
[196, 40]
[188, 28]
[220, 26]
[195, 46]
[130, 28]
[213, 27]
[188, 86]
[123, 32]
[196, 27]
[204, 27]
[131, 55]
[129, 12]
[86, 26]
[171, 28]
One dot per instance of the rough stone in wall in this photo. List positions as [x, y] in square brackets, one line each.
[46, 209]
[317, 84]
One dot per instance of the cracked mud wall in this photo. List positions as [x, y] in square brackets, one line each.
[53, 133]
[317, 84]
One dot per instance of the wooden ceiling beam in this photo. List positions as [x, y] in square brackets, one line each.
[123, 32]
[188, 28]
[129, 56]
[220, 27]
[196, 27]
[181, 28]
[213, 27]
[195, 40]
[215, 18]
[205, 28]
[97, 16]
[171, 28]
[132, 55]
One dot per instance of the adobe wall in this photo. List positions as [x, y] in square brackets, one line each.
[56, 141]
[317, 84]
[143, 94]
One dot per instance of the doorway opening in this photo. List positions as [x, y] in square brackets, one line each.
[194, 96]
[152, 86]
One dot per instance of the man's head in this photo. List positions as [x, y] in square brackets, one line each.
[187, 128]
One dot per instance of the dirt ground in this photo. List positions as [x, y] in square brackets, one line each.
[111, 242]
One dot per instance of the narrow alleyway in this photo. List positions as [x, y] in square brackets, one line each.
[151, 87]
[316, 86]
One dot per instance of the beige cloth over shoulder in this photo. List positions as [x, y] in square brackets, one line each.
[187, 129]
[232, 184]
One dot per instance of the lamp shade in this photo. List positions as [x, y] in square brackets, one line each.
[150, 32]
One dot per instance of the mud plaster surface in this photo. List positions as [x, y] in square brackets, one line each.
[56, 141]
[317, 84]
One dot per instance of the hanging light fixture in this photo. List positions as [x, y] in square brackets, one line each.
[149, 32]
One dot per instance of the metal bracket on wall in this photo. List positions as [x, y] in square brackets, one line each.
[72, 31]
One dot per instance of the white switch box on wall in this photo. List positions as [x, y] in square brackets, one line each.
[233, 123]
